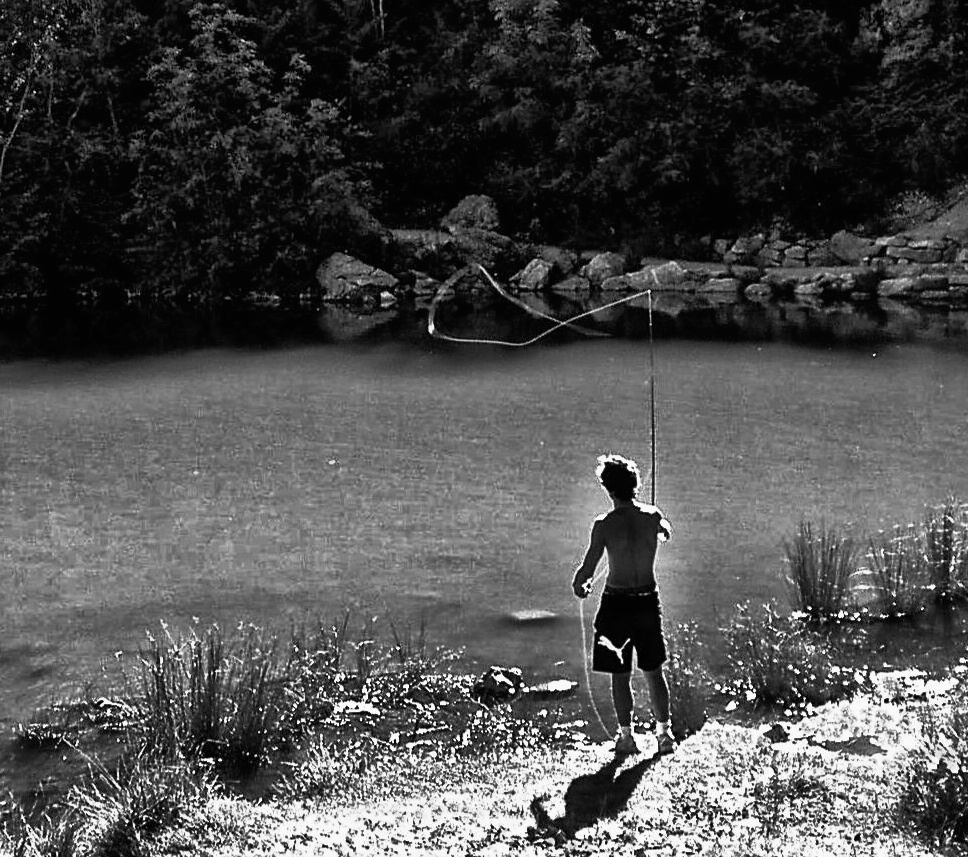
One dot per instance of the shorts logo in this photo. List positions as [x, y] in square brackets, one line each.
[618, 650]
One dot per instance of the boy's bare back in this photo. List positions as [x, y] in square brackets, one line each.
[630, 534]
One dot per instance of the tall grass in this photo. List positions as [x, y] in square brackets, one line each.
[236, 699]
[821, 564]
[205, 695]
[945, 533]
[900, 572]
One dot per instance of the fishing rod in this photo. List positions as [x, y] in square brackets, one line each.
[652, 396]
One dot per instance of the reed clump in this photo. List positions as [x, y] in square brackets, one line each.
[821, 562]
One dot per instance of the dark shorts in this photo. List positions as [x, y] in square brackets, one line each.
[626, 623]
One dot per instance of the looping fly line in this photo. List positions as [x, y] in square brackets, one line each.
[433, 330]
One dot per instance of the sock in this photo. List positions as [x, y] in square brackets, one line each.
[663, 727]
[625, 731]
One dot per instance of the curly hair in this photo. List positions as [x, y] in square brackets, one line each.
[618, 475]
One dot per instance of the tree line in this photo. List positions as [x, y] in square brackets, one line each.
[187, 150]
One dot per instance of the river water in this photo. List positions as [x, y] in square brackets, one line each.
[451, 485]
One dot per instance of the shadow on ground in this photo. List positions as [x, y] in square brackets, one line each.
[592, 797]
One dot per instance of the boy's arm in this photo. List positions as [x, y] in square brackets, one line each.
[584, 573]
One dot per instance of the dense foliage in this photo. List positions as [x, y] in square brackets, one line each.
[197, 150]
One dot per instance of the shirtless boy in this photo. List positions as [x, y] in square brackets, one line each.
[629, 617]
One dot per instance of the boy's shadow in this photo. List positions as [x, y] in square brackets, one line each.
[592, 797]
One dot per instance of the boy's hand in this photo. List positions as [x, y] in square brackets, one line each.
[581, 589]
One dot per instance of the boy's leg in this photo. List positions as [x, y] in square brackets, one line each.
[659, 693]
[622, 698]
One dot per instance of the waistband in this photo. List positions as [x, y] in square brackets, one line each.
[633, 591]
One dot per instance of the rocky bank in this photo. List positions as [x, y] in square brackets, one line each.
[919, 268]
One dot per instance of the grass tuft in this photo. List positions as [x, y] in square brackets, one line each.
[821, 564]
[205, 696]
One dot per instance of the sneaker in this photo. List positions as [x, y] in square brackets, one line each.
[666, 742]
[625, 745]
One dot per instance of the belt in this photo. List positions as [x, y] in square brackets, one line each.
[636, 591]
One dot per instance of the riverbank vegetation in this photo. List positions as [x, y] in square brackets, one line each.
[337, 716]
[905, 570]
[193, 152]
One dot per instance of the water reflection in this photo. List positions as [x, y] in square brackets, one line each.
[138, 330]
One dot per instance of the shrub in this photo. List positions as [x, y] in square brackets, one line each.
[945, 534]
[900, 573]
[776, 660]
[934, 792]
[688, 680]
[821, 566]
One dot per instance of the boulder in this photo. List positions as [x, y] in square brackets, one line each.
[671, 276]
[473, 212]
[848, 248]
[346, 279]
[603, 266]
[498, 684]
[535, 277]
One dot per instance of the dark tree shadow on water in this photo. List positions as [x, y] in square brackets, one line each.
[592, 797]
